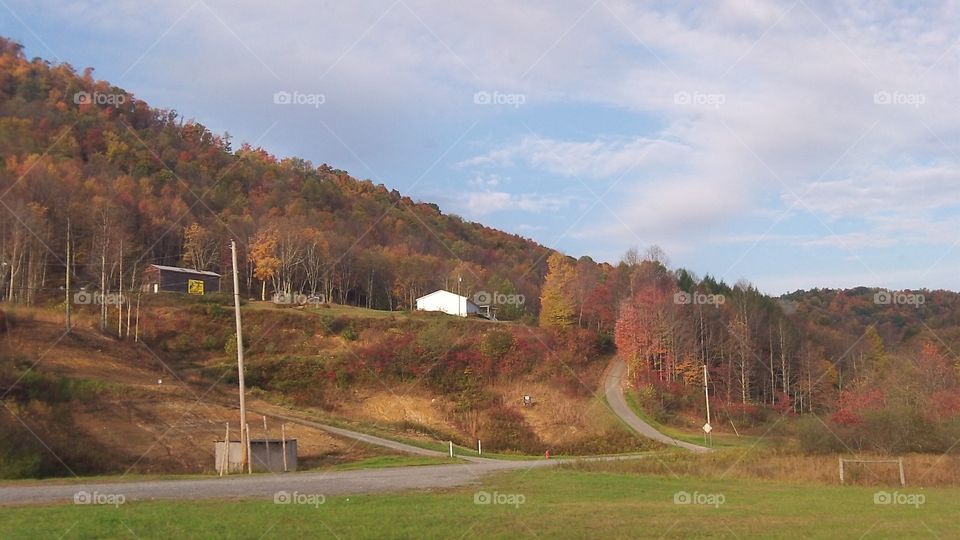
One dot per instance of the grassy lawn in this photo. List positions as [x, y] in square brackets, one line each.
[381, 462]
[543, 503]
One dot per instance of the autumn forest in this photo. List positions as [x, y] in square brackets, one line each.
[120, 185]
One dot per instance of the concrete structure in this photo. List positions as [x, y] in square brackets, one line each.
[160, 278]
[267, 455]
[447, 302]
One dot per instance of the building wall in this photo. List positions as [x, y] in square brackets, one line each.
[179, 282]
[448, 303]
[263, 460]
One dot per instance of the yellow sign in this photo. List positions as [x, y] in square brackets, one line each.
[194, 286]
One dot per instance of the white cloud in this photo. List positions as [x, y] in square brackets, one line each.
[797, 117]
[598, 158]
[487, 202]
[486, 180]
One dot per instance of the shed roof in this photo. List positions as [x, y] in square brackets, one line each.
[439, 291]
[185, 270]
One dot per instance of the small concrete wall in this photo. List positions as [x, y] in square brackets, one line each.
[266, 455]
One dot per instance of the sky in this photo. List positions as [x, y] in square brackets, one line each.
[792, 144]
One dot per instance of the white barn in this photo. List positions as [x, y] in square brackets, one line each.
[447, 302]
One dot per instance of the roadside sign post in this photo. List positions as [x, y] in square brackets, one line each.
[707, 428]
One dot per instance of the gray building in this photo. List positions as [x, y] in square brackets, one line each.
[266, 455]
[160, 278]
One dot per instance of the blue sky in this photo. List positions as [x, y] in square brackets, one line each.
[793, 144]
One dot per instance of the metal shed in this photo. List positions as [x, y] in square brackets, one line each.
[160, 278]
[266, 455]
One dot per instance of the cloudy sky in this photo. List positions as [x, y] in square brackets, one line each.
[795, 144]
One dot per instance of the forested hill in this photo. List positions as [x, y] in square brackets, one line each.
[143, 185]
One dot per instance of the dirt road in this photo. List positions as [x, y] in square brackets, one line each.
[267, 486]
[614, 391]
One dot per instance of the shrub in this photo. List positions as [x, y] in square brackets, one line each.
[349, 334]
[496, 344]
[505, 429]
[815, 438]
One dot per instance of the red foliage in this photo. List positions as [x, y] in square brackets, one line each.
[853, 404]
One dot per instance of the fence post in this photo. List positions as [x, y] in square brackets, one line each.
[903, 480]
[841, 470]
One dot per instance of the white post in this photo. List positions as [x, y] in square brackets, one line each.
[283, 435]
[266, 443]
[479, 448]
[245, 444]
[451, 448]
[225, 455]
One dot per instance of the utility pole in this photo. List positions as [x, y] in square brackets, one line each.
[69, 299]
[244, 434]
[120, 297]
[706, 396]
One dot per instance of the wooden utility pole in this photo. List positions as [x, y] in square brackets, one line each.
[706, 397]
[69, 299]
[244, 433]
[120, 297]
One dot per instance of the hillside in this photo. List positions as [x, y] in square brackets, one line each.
[90, 169]
[144, 186]
[95, 401]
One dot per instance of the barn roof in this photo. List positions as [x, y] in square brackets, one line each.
[185, 270]
[442, 291]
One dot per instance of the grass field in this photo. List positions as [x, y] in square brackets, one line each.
[539, 503]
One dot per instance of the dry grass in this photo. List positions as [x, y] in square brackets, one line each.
[921, 470]
[148, 426]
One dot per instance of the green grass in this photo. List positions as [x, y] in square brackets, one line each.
[381, 462]
[717, 439]
[553, 504]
